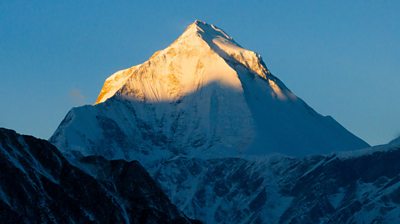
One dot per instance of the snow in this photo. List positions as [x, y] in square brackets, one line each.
[363, 152]
[114, 83]
[336, 199]
[395, 142]
[192, 183]
[203, 96]
[13, 155]
[35, 163]
[201, 113]
[198, 115]
[20, 156]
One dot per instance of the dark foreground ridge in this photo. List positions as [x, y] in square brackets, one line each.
[38, 185]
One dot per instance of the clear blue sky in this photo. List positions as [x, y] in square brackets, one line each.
[341, 57]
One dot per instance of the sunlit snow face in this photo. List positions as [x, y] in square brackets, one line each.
[201, 56]
[204, 94]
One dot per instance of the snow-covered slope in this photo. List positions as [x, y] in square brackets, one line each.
[395, 141]
[203, 96]
[347, 187]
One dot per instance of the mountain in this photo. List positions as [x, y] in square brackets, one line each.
[212, 126]
[347, 187]
[38, 185]
[395, 141]
[203, 96]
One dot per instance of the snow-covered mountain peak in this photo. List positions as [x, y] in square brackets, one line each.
[202, 50]
[223, 44]
[206, 31]
[203, 96]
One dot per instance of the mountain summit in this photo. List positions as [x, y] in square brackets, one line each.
[201, 45]
[203, 96]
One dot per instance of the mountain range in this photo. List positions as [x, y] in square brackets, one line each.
[202, 130]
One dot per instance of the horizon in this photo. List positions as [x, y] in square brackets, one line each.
[45, 74]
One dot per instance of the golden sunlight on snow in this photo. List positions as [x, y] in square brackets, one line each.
[277, 90]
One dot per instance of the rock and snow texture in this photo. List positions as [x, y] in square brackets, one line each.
[361, 187]
[203, 96]
[38, 185]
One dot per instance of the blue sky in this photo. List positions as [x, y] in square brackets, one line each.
[341, 57]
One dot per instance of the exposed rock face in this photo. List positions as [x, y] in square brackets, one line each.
[357, 187]
[37, 185]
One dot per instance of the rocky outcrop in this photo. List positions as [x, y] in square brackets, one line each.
[38, 185]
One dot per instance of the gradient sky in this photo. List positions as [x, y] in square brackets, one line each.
[341, 57]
